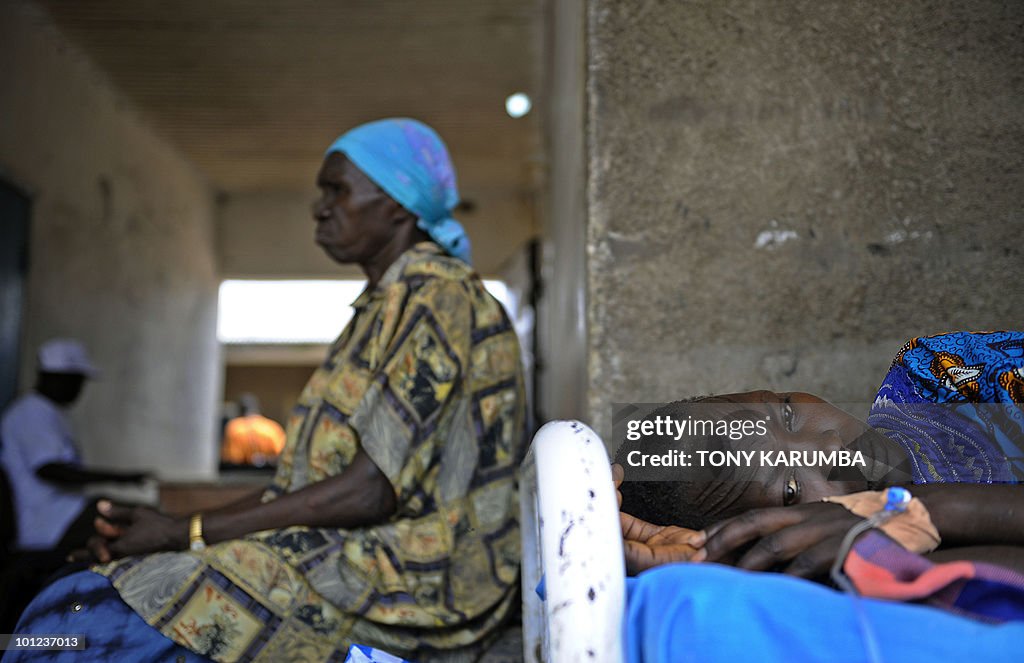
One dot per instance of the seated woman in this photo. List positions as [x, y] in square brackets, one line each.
[762, 518]
[391, 521]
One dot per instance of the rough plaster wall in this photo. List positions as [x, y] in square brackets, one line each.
[782, 193]
[121, 253]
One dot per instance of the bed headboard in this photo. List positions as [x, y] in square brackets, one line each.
[571, 537]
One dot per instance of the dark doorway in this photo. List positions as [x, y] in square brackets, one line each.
[14, 219]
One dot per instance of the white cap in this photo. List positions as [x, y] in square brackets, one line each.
[65, 355]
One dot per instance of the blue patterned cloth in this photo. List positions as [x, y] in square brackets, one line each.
[953, 402]
[409, 161]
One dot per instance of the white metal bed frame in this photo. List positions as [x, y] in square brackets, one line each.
[571, 538]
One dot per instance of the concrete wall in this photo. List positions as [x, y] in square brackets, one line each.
[122, 253]
[781, 193]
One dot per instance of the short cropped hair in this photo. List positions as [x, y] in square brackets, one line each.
[663, 502]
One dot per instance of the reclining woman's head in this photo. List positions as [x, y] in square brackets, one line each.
[731, 453]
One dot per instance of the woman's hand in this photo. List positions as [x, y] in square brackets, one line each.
[799, 540]
[617, 475]
[95, 550]
[136, 530]
[647, 545]
[130, 530]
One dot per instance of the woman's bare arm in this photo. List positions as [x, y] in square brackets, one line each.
[1012, 557]
[360, 496]
[805, 539]
[975, 514]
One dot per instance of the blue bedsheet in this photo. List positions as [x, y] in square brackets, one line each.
[708, 612]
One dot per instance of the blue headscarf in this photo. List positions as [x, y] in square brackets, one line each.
[409, 161]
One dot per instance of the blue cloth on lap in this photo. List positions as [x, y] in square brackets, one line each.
[113, 631]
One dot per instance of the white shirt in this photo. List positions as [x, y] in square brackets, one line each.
[35, 431]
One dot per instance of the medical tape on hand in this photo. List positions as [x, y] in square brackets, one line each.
[903, 518]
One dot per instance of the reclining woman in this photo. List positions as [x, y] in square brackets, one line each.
[948, 417]
[933, 422]
[391, 521]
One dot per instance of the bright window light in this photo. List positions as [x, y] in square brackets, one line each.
[298, 312]
[284, 311]
[502, 294]
[518, 104]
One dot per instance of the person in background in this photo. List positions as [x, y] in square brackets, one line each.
[251, 438]
[46, 513]
[41, 458]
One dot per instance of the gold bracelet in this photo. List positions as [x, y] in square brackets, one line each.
[196, 543]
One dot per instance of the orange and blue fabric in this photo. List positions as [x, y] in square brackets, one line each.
[881, 568]
[954, 403]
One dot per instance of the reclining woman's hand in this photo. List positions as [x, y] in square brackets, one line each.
[800, 540]
[617, 475]
[648, 545]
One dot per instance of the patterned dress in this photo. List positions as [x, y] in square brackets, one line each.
[953, 402]
[427, 380]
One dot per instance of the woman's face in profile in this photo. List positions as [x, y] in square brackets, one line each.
[354, 217]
